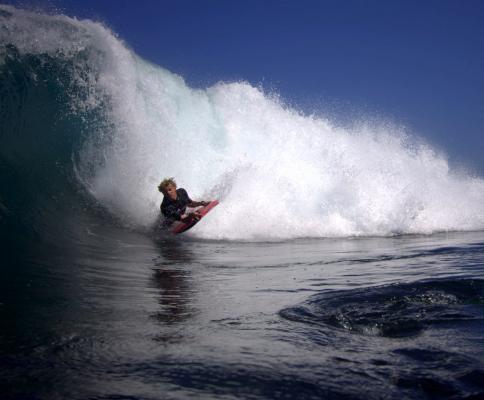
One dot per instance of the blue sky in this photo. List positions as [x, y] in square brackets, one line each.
[418, 63]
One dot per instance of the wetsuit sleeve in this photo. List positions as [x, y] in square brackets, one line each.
[186, 198]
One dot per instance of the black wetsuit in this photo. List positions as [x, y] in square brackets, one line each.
[171, 209]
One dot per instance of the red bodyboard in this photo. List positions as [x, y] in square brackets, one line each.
[179, 227]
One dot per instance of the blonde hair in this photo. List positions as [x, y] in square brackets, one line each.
[164, 184]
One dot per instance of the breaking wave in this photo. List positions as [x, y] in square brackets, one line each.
[87, 123]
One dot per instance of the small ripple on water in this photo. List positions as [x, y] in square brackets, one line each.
[404, 333]
[395, 310]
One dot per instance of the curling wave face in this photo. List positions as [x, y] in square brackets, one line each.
[88, 118]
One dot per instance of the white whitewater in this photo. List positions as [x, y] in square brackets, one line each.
[278, 173]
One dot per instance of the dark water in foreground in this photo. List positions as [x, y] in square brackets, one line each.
[123, 316]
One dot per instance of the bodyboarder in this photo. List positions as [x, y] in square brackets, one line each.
[175, 203]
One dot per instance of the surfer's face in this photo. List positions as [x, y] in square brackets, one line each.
[171, 191]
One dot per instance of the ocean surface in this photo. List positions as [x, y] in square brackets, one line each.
[341, 263]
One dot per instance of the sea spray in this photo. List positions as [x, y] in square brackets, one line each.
[278, 173]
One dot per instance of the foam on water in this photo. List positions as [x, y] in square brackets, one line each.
[277, 172]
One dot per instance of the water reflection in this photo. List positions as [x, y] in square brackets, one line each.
[173, 279]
